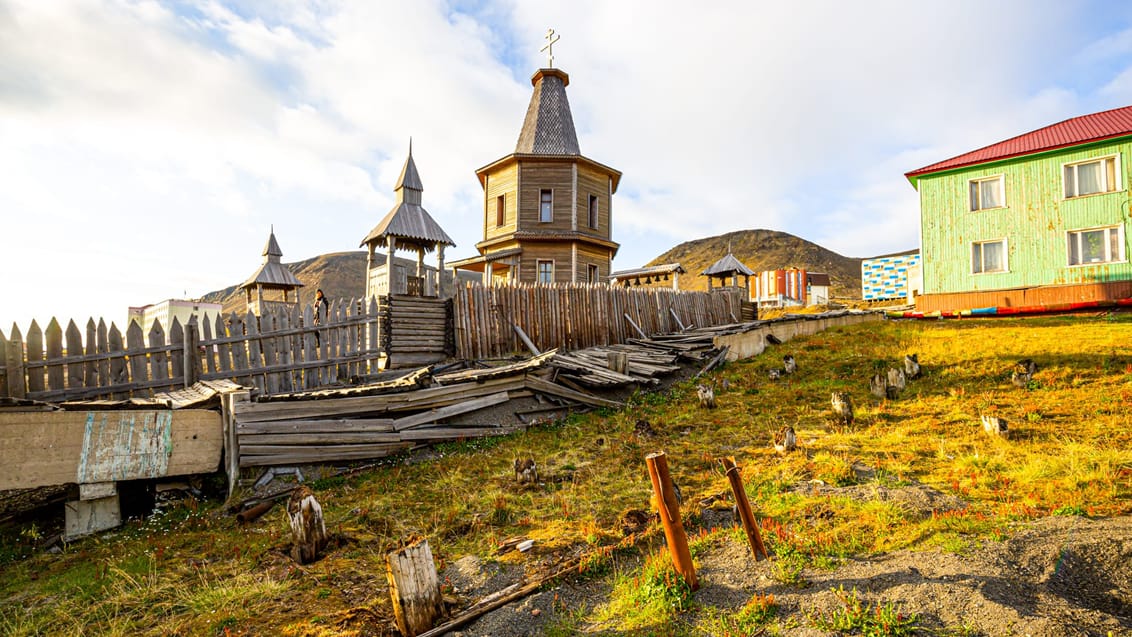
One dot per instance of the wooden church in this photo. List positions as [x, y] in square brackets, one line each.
[548, 209]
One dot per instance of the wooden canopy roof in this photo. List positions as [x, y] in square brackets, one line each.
[272, 274]
[728, 266]
[408, 221]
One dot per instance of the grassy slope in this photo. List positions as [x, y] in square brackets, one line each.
[194, 572]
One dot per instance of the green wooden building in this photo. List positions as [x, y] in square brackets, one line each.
[1038, 220]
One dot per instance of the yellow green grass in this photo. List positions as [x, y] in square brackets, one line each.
[195, 572]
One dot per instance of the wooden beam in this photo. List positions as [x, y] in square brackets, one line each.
[444, 412]
[46, 448]
[545, 387]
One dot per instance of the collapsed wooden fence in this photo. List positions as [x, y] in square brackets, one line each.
[284, 351]
[280, 351]
[572, 316]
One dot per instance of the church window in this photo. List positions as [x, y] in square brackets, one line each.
[546, 206]
[545, 271]
[499, 210]
[593, 211]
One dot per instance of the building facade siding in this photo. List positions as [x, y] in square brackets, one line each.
[1034, 221]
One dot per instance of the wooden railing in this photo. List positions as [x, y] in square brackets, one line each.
[577, 315]
[276, 352]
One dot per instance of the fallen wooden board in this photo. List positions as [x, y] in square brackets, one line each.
[434, 415]
[45, 448]
[545, 387]
[339, 425]
[413, 400]
[495, 372]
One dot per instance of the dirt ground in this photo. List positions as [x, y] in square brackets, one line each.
[1055, 577]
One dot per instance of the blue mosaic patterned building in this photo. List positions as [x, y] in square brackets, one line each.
[886, 277]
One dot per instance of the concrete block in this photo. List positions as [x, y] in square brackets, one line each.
[84, 517]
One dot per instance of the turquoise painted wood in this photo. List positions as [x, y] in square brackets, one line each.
[1035, 222]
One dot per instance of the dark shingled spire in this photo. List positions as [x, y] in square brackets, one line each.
[549, 127]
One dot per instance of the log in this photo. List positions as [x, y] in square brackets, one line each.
[526, 340]
[415, 588]
[744, 506]
[669, 509]
[714, 362]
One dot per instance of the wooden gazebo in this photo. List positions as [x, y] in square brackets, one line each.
[272, 279]
[407, 226]
[729, 268]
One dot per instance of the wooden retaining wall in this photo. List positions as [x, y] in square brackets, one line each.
[572, 316]
[278, 352]
[419, 331]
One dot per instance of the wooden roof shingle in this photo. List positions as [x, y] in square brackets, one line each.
[548, 128]
[408, 220]
[272, 273]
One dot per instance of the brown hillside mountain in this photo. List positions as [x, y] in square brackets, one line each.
[341, 275]
[764, 250]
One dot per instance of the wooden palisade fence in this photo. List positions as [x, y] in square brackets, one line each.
[571, 316]
[277, 352]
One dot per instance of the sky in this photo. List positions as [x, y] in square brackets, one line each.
[147, 148]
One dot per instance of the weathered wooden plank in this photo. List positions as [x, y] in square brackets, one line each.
[434, 415]
[255, 354]
[339, 425]
[421, 399]
[135, 348]
[45, 448]
[238, 327]
[338, 453]
[268, 325]
[118, 374]
[223, 347]
[158, 364]
[250, 441]
[177, 354]
[90, 367]
[14, 364]
[54, 336]
[75, 370]
[34, 347]
[545, 387]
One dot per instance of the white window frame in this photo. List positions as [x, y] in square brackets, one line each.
[1005, 257]
[975, 206]
[1075, 236]
[550, 209]
[1116, 186]
[538, 270]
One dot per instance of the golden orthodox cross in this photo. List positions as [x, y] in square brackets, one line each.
[551, 38]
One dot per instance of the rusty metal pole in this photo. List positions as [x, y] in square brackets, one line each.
[669, 510]
[744, 506]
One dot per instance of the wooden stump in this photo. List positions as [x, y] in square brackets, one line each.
[308, 530]
[415, 588]
[618, 362]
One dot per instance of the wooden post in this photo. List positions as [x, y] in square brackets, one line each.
[391, 242]
[191, 360]
[440, 270]
[744, 506]
[669, 510]
[415, 588]
[228, 408]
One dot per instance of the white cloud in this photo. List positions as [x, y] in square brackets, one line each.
[147, 148]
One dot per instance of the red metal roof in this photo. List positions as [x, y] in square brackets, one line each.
[1071, 132]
